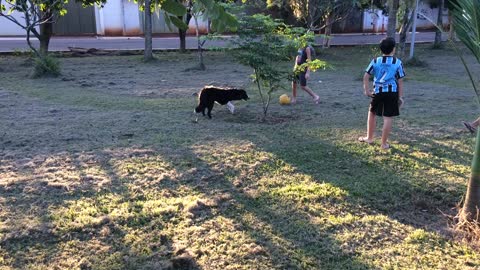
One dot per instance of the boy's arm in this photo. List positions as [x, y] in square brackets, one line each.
[400, 88]
[400, 91]
[309, 58]
[366, 85]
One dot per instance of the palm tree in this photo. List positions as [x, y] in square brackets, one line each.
[466, 17]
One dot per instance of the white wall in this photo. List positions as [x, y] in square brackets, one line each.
[431, 14]
[8, 28]
[374, 21]
[132, 18]
[202, 26]
[118, 18]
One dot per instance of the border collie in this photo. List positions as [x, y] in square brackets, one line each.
[222, 95]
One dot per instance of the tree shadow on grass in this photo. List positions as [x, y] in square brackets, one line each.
[69, 225]
[374, 179]
[284, 233]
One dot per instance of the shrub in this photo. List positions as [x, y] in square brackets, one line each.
[46, 66]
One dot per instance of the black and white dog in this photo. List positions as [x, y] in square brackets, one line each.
[222, 95]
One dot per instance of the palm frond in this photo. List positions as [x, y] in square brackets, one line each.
[466, 15]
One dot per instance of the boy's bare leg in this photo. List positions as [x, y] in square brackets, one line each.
[387, 128]
[311, 93]
[371, 125]
[294, 92]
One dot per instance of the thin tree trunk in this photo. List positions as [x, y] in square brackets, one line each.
[265, 110]
[148, 54]
[46, 31]
[407, 23]
[29, 42]
[259, 88]
[328, 31]
[199, 45]
[392, 18]
[470, 210]
[183, 33]
[438, 33]
[451, 32]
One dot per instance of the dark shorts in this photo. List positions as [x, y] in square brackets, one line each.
[385, 104]
[301, 78]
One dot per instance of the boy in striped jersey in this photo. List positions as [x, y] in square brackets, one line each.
[387, 93]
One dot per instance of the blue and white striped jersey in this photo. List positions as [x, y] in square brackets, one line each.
[386, 71]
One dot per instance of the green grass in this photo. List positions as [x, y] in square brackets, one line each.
[103, 168]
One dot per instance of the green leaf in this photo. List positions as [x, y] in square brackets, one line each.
[173, 7]
[208, 4]
[178, 23]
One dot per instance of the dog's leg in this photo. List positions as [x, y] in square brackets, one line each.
[210, 107]
[231, 107]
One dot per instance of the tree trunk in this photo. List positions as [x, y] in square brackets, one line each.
[183, 33]
[470, 210]
[392, 18]
[328, 31]
[438, 32]
[451, 32]
[201, 65]
[407, 23]
[46, 31]
[148, 55]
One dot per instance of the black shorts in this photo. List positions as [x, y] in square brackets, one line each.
[385, 104]
[301, 78]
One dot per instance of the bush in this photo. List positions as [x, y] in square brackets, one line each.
[46, 66]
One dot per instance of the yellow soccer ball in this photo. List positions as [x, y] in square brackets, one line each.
[284, 99]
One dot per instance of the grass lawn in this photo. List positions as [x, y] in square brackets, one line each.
[103, 168]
